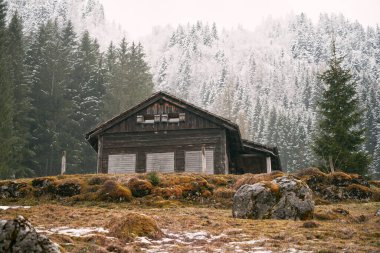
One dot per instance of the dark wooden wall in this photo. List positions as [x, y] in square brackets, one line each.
[178, 141]
[192, 120]
[251, 164]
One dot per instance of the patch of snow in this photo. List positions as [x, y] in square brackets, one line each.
[13, 207]
[76, 232]
[143, 240]
[201, 235]
[250, 242]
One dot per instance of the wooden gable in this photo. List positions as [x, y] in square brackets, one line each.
[133, 120]
[160, 116]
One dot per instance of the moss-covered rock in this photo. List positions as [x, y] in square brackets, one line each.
[68, 188]
[11, 189]
[281, 198]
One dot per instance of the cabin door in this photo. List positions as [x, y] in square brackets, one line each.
[160, 162]
[122, 163]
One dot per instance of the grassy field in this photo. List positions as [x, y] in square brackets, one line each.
[188, 228]
[180, 213]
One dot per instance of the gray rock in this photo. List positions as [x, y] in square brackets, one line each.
[253, 202]
[11, 190]
[377, 213]
[283, 198]
[18, 235]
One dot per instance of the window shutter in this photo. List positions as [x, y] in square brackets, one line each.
[121, 163]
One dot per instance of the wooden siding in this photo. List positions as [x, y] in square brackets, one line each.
[177, 141]
[192, 120]
[252, 163]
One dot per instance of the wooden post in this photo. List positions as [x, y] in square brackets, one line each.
[269, 165]
[331, 164]
[203, 159]
[100, 151]
[63, 163]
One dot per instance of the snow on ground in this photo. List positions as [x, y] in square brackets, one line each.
[13, 207]
[76, 232]
[196, 241]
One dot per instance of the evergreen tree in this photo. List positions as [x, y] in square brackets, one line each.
[21, 153]
[89, 84]
[139, 77]
[48, 104]
[68, 137]
[110, 105]
[6, 103]
[339, 136]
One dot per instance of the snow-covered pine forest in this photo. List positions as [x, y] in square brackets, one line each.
[267, 80]
[86, 15]
[264, 80]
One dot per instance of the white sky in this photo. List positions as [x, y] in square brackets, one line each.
[138, 17]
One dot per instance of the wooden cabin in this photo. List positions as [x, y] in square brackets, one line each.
[167, 134]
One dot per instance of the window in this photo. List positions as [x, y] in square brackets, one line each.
[162, 162]
[182, 117]
[164, 118]
[140, 119]
[193, 161]
[121, 163]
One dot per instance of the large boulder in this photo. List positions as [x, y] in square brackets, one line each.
[282, 198]
[18, 235]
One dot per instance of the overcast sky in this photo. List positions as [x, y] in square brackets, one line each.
[138, 17]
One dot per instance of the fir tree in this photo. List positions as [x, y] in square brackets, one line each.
[339, 137]
[46, 80]
[6, 103]
[88, 81]
[139, 76]
[22, 155]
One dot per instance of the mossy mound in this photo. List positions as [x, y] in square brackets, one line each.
[139, 187]
[334, 187]
[112, 191]
[132, 225]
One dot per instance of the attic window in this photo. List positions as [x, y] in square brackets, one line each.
[182, 117]
[149, 119]
[140, 119]
[157, 118]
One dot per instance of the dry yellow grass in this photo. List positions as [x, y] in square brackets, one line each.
[342, 233]
[255, 178]
[130, 225]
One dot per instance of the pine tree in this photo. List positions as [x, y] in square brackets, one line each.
[139, 77]
[21, 153]
[88, 81]
[339, 137]
[6, 103]
[375, 167]
[111, 106]
[68, 137]
[48, 104]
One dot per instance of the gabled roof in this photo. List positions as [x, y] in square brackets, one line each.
[233, 128]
